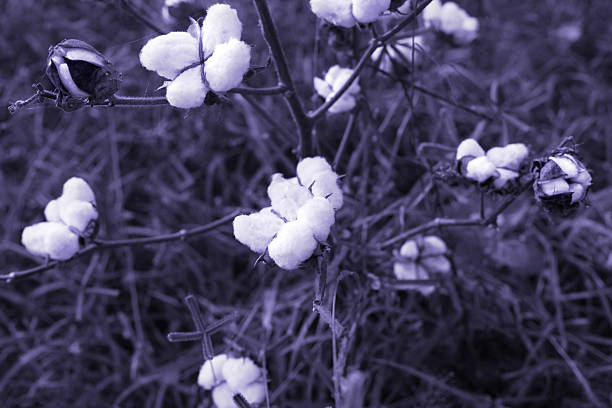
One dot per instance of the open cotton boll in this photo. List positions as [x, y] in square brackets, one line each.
[367, 11]
[227, 65]
[336, 12]
[436, 264]
[578, 192]
[308, 167]
[187, 90]
[451, 17]
[52, 210]
[60, 243]
[480, 169]
[318, 213]
[469, 147]
[323, 88]
[567, 164]
[257, 230]
[287, 196]
[211, 372]
[75, 188]
[433, 245]
[223, 396]
[468, 31]
[78, 214]
[412, 271]
[584, 177]
[504, 177]
[325, 184]
[33, 238]
[254, 393]
[431, 13]
[293, 244]
[510, 156]
[220, 25]
[170, 53]
[409, 250]
[240, 372]
[554, 187]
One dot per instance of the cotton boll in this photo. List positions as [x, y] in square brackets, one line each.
[480, 169]
[436, 264]
[401, 52]
[336, 12]
[318, 213]
[504, 177]
[323, 88]
[469, 147]
[583, 177]
[287, 196]
[308, 167]
[254, 393]
[510, 156]
[344, 104]
[468, 31]
[433, 245]
[33, 238]
[407, 271]
[340, 77]
[367, 11]
[293, 244]
[170, 53]
[52, 211]
[431, 13]
[220, 25]
[187, 90]
[409, 250]
[211, 372]
[567, 164]
[78, 214]
[223, 396]
[554, 187]
[227, 65]
[451, 17]
[257, 230]
[325, 184]
[578, 192]
[60, 243]
[239, 372]
[75, 188]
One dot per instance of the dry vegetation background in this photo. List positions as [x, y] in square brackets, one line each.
[524, 321]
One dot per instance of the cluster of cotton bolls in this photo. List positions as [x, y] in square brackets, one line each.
[211, 57]
[562, 181]
[348, 13]
[452, 20]
[420, 258]
[500, 164]
[300, 216]
[399, 54]
[334, 79]
[228, 376]
[69, 217]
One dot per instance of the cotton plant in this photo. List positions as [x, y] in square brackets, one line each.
[335, 77]
[227, 376]
[449, 18]
[499, 166]
[420, 259]
[70, 219]
[300, 216]
[348, 13]
[207, 58]
[401, 53]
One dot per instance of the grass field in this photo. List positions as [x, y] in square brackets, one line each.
[523, 320]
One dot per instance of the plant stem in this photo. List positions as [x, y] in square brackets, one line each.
[272, 90]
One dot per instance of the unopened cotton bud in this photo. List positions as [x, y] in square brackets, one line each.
[287, 196]
[33, 238]
[469, 147]
[318, 213]
[187, 90]
[567, 164]
[240, 372]
[293, 244]
[367, 11]
[60, 243]
[170, 53]
[223, 396]
[309, 166]
[257, 230]
[254, 393]
[220, 25]
[510, 156]
[433, 245]
[227, 65]
[52, 210]
[336, 12]
[75, 188]
[211, 372]
[554, 187]
[325, 184]
[504, 176]
[480, 169]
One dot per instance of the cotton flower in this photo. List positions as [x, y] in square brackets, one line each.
[419, 258]
[211, 57]
[480, 169]
[211, 372]
[399, 53]
[318, 214]
[50, 239]
[293, 244]
[257, 230]
[334, 79]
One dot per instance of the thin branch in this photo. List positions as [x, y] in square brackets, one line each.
[302, 121]
[105, 244]
[272, 90]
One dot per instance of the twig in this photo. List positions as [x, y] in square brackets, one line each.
[105, 244]
[272, 90]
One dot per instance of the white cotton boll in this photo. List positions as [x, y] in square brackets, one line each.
[407, 271]
[510, 156]
[52, 210]
[344, 104]
[33, 238]
[401, 52]
[410, 250]
[504, 177]
[60, 243]
[436, 264]
[583, 177]
[578, 192]
[254, 393]
[227, 65]
[257, 230]
[220, 25]
[567, 164]
[469, 147]
[340, 77]
[211, 372]
[367, 11]
[325, 184]
[451, 17]
[323, 88]
[318, 213]
[480, 169]
[433, 245]
[405, 8]
[308, 167]
[287, 196]
[293, 244]
[223, 396]
[554, 186]
[187, 90]
[336, 12]
[78, 214]
[468, 31]
[335, 77]
[431, 14]
[75, 188]
[170, 53]
[240, 372]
